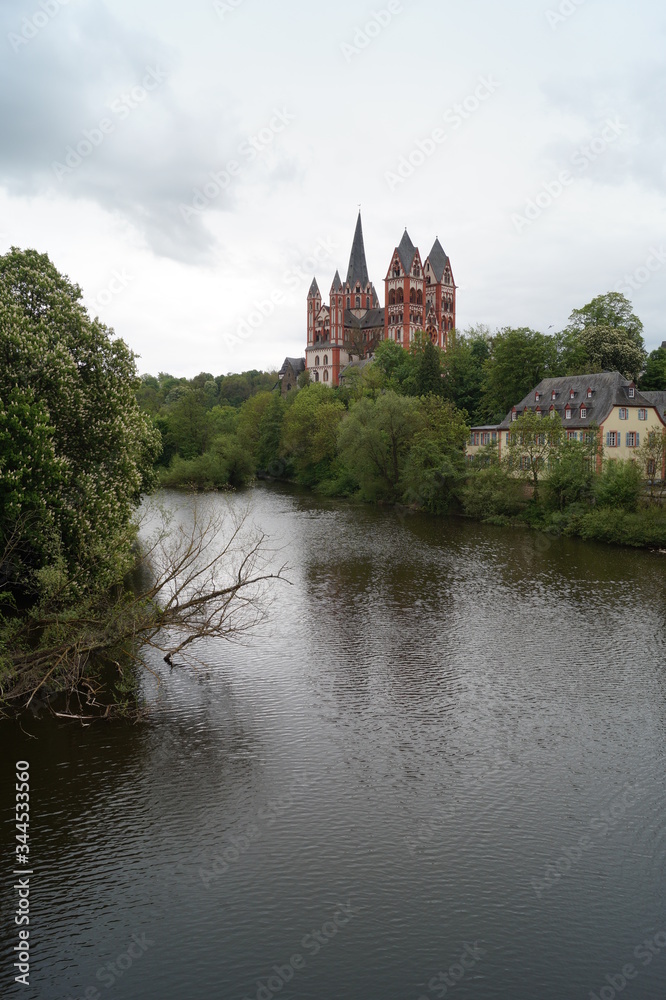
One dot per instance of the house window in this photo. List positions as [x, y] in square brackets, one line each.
[485, 437]
[624, 413]
[567, 414]
[642, 414]
[538, 413]
[572, 435]
[508, 439]
[652, 468]
[553, 394]
[583, 412]
[633, 439]
[613, 439]
[632, 393]
[589, 394]
[525, 461]
[571, 394]
[537, 397]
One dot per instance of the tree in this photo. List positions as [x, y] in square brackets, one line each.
[436, 462]
[374, 442]
[396, 365]
[571, 471]
[599, 349]
[611, 310]
[652, 463]
[533, 441]
[82, 452]
[519, 360]
[653, 378]
[463, 366]
[428, 379]
[309, 432]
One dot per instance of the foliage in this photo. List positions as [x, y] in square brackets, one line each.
[435, 466]
[463, 367]
[374, 442]
[602, 348]
[519, 360]
[489, 493]
[428, 375]
[310, 432]
[653, 378]
[612, 310]
[534, 441]
[77, 450]
[570, 474]
[619, 485]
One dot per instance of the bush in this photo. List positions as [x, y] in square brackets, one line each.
[490, 493]
[619, 485]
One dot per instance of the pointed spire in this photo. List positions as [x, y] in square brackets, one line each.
[337, 284]
[314, 290]
[406, 251]
[438, 260]
[358, 269]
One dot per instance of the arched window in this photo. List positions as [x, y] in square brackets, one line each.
[419, 297]
[325, 376]
[392, 297]
[317, 361]
[326, 359]
[396, 270]
[400, 296]
[358, 301]
[348, 302]
[316, 376]
[412, 296]
[398, 333]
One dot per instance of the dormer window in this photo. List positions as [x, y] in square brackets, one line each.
[514, 416]
[553, 395]
[583, 412]
[571, 394]
[537, 396]
[567, 413]
[589, 394]
[632, 392]
[538, 412]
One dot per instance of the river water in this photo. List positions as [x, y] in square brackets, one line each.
[438, 771]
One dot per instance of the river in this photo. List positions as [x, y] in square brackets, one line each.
[438, 771]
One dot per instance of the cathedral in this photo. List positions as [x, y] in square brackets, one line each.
[419, 295]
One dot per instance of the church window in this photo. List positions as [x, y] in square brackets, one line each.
[317, 361]
[419, 297]
[348, 302]
[400, 296]
[412, 296]
[326, 359]
[398, 334]
[392, 297]
[316, 376]
[326, 376]
[358, 301]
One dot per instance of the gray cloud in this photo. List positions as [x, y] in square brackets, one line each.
[88, 109]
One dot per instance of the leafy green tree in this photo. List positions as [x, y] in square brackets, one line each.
[612, 310]
[270, 435]
[396, 365]
[571, 472]
[491, 492]
[186, 420]
[599, 349]
[82, 451]
[519, 360]
[435, 466]
[534, 441]
[463, 366]
[309, 432]
[428, 376]
[619, 486]
[653, 378]
[374, 442]
[249, 422]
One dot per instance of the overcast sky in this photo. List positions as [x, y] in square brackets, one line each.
[182, 162]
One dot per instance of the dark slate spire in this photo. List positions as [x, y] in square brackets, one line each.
[314, 289]
[358, 269]
[337, 284]
[438, 260]
[406, 251]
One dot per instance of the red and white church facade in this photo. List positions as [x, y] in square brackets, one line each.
[419, 295]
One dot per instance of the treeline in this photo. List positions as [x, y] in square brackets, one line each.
[396, 429]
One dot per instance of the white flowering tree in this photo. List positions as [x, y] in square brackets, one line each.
[76, 452]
